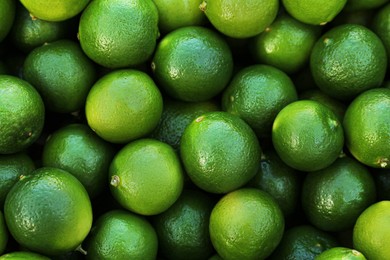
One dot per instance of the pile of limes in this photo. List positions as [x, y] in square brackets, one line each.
[194, 129]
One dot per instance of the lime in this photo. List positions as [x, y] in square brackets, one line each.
[303, 242]
[62, 74]
[313, 11]
[173, 14]
[23, 255]
[372, 231]
[220, 152]
[347, 60]
[123, 105]
[55, 10]
[7, 16]
[256, 94]
[22, 114]
[307, 135]
[12, 166]
[246, 224]
[28, 33]
[176, 116]
[334, 197]
[192, 63]
[240, 19]
[141, 166]
[337, 253]
[367, 129]
[282, 182]
[381, 26]
[120, 234]
[359, 5]
[119, 33]
[285, 44]
[48, 211]
[78, 150]
[183, 229]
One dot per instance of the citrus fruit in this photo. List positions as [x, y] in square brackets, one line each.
[141, 166]
[48, 211]
[78, 150]
[334, 197]
[22, 114]
[3, 233]
[246, 224]
[183, 229]
[119, 33]
[123, 105]
[28, 33]
[285, 44]
[381, 26]
[220, 152]
[7, 16]
[347, 60]
[176, 116]
[313, 11]
[23, 255]
[120, 234]
[337, 253]
[256, 94]
[359, 5]
[61, 73]
[12, 166]
[173, 14]
[192, 63]
[240, 19]
[367, 128]
[282, 182]
[337, 107]
[303, 242]
[55, 10]
[307, 135]
[371, 232]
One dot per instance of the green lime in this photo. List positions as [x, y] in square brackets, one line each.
[23, 255]
[220, 152]
[146, 176]
[62, 74]
[123, 105]
[367, 128]
[282, 182]
[12, 166]
[192, 63]
[183, 229]
[334, 197]
[313, 11]
[359, 5]
[371, 232]
[381, 26]
[285, 44]
[7, 16]
[347, 60]
[173, 14]
[337, 107]
[119, 33]
[55, 10]
[3, 234]
[307, 135]
[337, 253]
[48, 211]
[28, 32]
[303, 242]
[256, 94]
[240, 19]
[78, 150]
[22, 114]
[176, 116]
[120, 234]
[246, 224]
